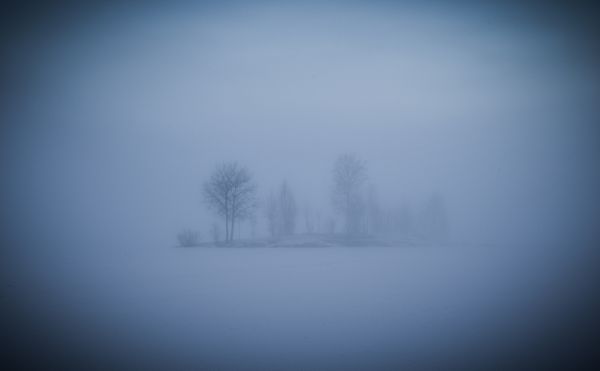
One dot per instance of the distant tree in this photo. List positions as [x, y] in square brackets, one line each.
[272, 213]
[188, 238]
[349, 176]
[287, 205]
[309, 223]
[231, 193]
[281, 212]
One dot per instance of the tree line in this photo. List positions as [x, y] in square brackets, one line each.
[231, 193]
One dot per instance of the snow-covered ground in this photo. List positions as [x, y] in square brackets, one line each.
[319, 240]
[304, 308]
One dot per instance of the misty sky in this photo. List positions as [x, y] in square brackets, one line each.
[125, 115]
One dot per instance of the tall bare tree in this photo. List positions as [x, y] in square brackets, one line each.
[231, 193]
[287, 204]
[272, 213]
[349, 176]
[281, 212]
[309, 223]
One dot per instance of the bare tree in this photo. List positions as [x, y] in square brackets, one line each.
[281, 212]
[231, 193]
[309, 224]
[287, 205]
[272, 214]
[349, 176]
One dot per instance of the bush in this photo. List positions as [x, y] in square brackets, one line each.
[188, 238]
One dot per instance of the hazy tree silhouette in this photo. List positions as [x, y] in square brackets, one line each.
[281, 212]
[287, 204]
[349, 176]
[272, 215]
[188, 238]
[231, 193]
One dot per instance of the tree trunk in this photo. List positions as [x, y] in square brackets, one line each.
[226, 228]
[232, 227]
[233, 212]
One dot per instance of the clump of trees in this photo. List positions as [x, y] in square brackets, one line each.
[231, 194]
[281, 212]
[364, 216]
[188, 238]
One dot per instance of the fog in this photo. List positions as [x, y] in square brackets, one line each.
[115, 117]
